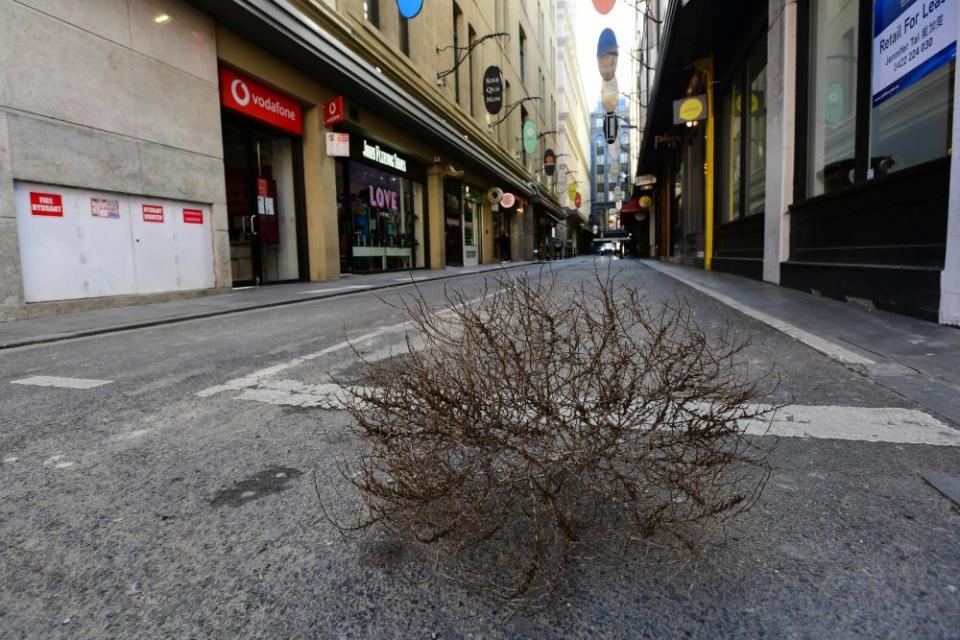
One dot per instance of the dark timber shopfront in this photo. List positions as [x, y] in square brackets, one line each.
[824, 161]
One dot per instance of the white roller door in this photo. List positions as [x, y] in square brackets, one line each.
[77, 243]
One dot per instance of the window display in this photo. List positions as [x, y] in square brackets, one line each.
[381, 219]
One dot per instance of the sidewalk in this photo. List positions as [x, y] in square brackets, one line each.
[917, 359]
[51, 329]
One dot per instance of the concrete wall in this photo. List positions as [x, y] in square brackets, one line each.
[781, 129]
[101, 95]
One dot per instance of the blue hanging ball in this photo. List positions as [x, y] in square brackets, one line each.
[409, 8]
[607, 43]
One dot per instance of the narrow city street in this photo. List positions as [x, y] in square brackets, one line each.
[166, 482]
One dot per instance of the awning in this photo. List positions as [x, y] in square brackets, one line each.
[632, 206]
[303, 44]
[551, 209]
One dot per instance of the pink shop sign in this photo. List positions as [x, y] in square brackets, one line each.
[384, 198]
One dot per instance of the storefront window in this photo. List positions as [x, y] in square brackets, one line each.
[833, 95]
[913, 126]
[732, 145]
[757, 141]
[376, 219]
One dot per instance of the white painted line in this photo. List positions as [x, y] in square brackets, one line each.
[864, 424]
[861, 424]
[826, 347]
[63, 383]
[258, 378]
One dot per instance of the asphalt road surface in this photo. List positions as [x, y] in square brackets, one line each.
[158, 483]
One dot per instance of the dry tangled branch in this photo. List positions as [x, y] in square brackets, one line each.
[539, 424]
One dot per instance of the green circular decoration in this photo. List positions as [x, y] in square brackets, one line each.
[530, 134]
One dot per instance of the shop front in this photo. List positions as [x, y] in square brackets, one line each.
[462, 211]
[875, 106]
[380, 209]
[263, 165]
[503, 221]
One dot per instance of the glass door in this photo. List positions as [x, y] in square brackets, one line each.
[261, 205]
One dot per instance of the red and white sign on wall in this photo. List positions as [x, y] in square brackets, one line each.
[241, 94]
[333, 111]
[152, 213]
[46, 204]
[193, 216]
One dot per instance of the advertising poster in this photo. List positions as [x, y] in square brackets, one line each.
[105, 208]
[910, 39]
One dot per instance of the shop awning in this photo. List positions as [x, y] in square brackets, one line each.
[303, 44]
[690, 31]
[551, 209]
[632, 206]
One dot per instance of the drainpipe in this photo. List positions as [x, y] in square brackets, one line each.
[705, 65]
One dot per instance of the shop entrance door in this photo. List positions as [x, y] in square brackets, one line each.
[262, 204]
[453, 221]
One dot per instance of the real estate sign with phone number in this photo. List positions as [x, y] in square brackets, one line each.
[911, 38]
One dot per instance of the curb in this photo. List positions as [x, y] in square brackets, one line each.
[143, 324]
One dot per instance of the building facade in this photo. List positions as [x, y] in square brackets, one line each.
[154, 149]
[573, 151]
[807, 144]
[610, 168]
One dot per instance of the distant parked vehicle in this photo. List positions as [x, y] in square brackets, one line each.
[607, 249]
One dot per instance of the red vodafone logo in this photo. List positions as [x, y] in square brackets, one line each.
[252, 99]
[333, 111]
[240, 92]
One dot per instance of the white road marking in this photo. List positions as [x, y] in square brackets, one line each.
[864, 424]
[63, 383]
[57, 462]
[10, 459]
[256, 378]
[259, 378]
[826, 347]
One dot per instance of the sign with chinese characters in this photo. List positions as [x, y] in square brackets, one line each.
[46, 204]
[493, 90]
[338, 144]
[910, 40]
[243, 95]
[577, 200]
[193, 216]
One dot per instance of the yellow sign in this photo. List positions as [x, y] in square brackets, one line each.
[645, 202]
[572, 190]
[691, 109]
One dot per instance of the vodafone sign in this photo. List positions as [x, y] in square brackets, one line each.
[243, 95]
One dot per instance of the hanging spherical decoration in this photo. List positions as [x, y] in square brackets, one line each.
[409, 8]
[607, 54]
[610, 94]
[604, 6]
